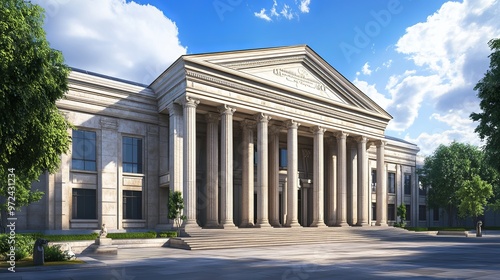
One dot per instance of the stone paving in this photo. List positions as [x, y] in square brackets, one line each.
[435, 257]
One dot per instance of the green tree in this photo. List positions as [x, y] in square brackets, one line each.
[402, 214]
[175, 206]
[33, 133]
[488, 91]
[473, 196]
[451, 171]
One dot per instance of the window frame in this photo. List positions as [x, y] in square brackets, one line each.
[84, 195]
[422, 218]
[389, 182]
[87, 157]
[137, 147]
[407, 184]
[131, 198]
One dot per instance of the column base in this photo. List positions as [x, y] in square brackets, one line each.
[275, 223]
[362, 224]
[228, 226]
[293, 224]
[381, 224]
[246, 225]
[318, 224]
[263, 225]
[344, 224]
[212, 225]
[331, 223]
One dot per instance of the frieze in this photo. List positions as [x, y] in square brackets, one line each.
[274, 97]
[299, 76]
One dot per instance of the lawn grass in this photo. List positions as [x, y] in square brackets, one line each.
[28, 262]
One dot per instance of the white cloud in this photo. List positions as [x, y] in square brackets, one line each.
[454, 36]
[450, 54]
[262, 15]
[461, 130]
[113, 37]
[372, 92]
[366, 69]
[304, 6]
[388, 63]
[287, 10]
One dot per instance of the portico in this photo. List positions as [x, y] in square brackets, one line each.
[258, 138]
[283, 103]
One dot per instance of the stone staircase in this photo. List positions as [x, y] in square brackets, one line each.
[203, 239]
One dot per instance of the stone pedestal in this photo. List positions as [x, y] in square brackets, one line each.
[104, 245]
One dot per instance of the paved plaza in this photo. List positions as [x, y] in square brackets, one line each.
[429, 257]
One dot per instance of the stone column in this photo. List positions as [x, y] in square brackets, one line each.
[363, 186]
[381, 185]
[332, 182]
[352, 215]
[292, 174]
[176, 128]
[274, 177]
[341, 179]
[226, 169]
[247, 219]
[108, 188]
[262, 170]
[318, 178]
[189, 146]
[212, 170]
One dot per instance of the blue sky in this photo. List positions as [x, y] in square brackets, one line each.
[419, 60]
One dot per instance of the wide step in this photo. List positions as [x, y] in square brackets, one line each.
[205, 239]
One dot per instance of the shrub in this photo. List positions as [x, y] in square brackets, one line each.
[23, 244]
[132, 235]
[417, 228]
[165, 234]
[70, 237]
[54, 254]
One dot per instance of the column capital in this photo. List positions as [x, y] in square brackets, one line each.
[274, 128]
[380, 143]
[188, 102]
[174, 109]
[361, 139]
[249, 124]
[262, 117]
[318, 129]
[212, 117]
[340, 135]
[226, 110]
[292, 124]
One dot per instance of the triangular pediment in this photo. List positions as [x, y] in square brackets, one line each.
[297, 69]
[296, 77]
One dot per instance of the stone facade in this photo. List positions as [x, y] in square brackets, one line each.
[256, 138]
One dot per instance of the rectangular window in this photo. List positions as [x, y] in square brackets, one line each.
[435, 213]
[374, 211]
[132, 204]
[84, 204]
[422, 213]
[84, 150]
[391, 212]
[283, 158]
[132, 155]
[374, 180]
[407, 185]
[391, 182]
[408, 212]
[422, 190]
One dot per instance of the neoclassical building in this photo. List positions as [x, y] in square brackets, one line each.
[253, 138]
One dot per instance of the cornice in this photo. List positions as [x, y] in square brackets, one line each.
[262, 62]
[290, 99]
